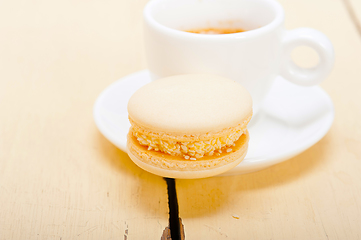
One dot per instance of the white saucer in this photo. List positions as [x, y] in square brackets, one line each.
[292, 119]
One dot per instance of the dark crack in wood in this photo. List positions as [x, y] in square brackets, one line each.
[166, 232]
[175, 230]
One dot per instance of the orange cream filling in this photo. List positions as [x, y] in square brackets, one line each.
[190, 150]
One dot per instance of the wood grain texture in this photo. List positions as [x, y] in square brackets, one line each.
[316, 195]
[354, 10]
[59, 177]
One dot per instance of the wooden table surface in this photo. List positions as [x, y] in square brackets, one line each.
[61, 179]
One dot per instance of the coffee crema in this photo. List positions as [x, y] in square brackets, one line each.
[216, 30]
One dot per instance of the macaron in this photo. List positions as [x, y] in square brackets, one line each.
[189, 126]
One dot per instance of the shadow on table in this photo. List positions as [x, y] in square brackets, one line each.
[207, 196]
[120, 161]
[148, 191]
[116, 158]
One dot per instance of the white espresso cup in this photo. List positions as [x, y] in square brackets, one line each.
[253, 58]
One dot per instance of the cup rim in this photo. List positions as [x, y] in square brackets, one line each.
[278, 20]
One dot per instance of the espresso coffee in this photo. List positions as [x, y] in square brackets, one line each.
[216, 30]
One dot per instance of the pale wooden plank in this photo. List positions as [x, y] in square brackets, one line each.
[316, 195]
[354, 10]
[59, 177]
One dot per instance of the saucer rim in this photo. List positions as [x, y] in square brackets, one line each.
[244, 167]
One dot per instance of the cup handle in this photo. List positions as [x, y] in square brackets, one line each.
[314, 39]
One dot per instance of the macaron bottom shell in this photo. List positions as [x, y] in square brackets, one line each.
[165, 165]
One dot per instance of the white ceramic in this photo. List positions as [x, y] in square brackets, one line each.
[254, 58]
[292, 119]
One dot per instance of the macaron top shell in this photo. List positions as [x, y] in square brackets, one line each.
[191, 103]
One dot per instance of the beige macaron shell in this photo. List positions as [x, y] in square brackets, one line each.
[176, 167]
[191, 103]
